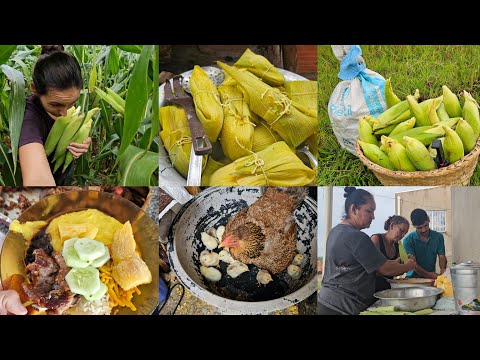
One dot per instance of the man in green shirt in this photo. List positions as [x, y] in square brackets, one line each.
[425, 244]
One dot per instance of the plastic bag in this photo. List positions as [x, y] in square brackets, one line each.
[361, 93]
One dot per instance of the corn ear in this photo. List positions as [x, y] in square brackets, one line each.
[418, 154]
[432, 113]
[92, 80]
[365, 132]
[451, 122]
[57, 130]
[386, 131]
[452, 146]
[402, 252]
[452, 104]
[418, 112]
[375, 155]
[465, 132]
[118, 99]
[388, 117]
[471, 114]
[67, 136]
[79, 138]
[442, 113]
[397, 154]
[390, 96]
[404, 126]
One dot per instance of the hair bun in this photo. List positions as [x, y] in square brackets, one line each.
[49, 49]
[348, 191]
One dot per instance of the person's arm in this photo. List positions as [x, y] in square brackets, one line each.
[442, 262]
[393, 267]
[376, 241]
[35, 167]
[424, 273]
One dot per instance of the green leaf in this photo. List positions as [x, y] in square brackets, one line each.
[5, 52]
[113, 60]
[137, 97]
[9, 175]
[137, 49]
[137, 166]
[16, 109]
[144, 141]
[155, 116]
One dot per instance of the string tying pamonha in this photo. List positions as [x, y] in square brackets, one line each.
[257, 161]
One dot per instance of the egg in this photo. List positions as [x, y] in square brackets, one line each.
[210, 273]
[236, 268]
[294, 271]
[263, 277]
[208, 258]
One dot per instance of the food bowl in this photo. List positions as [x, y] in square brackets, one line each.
[168, 175]
[213, 207]
[410, 282]
[144, 228]
[409, 298]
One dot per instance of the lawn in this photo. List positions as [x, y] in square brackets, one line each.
[426, 67]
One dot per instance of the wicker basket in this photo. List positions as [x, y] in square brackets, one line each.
[458, 173]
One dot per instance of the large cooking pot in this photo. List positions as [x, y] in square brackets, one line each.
[409, 298]
[144, 228]
[213, 207]
[466, 285]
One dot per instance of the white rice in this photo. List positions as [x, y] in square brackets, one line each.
[97, 307]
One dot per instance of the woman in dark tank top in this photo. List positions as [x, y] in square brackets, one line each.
[397, 227]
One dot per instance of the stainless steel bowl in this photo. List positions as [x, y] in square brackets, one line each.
[411, 282]
[409, 298]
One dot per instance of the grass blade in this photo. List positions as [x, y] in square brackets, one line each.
[16, 109]
[137, 98]
[137, 166]
[137, 49]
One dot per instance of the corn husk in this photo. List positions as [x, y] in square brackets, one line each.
[210, 168]
[207, 103]
[238, 123]
[293, 125]
[264, 136]
[176, 137]
[261, 67]
[304, 94]
[277, 165]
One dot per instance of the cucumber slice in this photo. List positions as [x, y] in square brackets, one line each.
[99, 294]
[83, 281]
[70, 255]
[102, 259]
[88, 249]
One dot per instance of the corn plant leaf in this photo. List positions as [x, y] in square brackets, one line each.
[9, 177]
[16, 108]
[137, 49]
[5, 52]
[155, 123]
[137, 98]
[137, 167]
[113, 60]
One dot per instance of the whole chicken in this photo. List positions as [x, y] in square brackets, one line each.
[265, 234]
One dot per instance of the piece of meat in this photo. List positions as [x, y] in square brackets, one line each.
[39, 241]
[59, 301]
[60, 282]
[42, 272]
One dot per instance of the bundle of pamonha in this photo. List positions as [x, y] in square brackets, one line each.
[254, 120]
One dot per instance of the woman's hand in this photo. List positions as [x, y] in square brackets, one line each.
[10, 303]
[79, 149]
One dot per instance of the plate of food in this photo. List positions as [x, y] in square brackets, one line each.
[83, 252]
[253, 113]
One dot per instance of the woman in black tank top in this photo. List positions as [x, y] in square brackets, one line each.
[387, 243]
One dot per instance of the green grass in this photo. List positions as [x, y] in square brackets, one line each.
[410, 67]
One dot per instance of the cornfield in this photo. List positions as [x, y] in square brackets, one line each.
[121, 80]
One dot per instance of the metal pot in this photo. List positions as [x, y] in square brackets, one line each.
[466, 284]
[411, 282]
[410, 298]
[212, 208]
